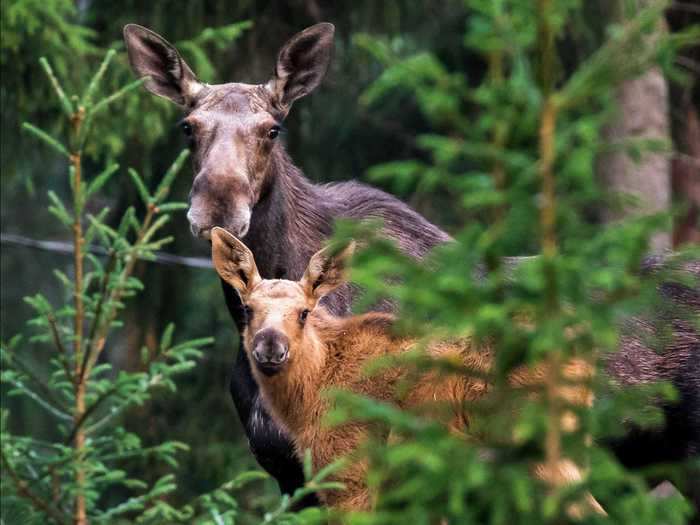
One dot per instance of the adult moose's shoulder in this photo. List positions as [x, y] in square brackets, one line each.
[246, 183]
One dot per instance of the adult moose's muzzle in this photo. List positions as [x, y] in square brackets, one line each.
[270, 351]
[222, 201]
[238, 225]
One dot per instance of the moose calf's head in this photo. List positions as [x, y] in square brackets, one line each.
[232, 128]
[280, 327]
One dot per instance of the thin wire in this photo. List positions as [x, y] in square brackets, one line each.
[66, 247]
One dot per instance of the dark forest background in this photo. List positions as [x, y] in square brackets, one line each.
[332, 135]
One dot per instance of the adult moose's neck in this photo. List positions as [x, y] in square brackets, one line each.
[289, 222]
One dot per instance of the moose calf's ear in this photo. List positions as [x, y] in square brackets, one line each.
[326, 271]
[302, 63]
[233, 261]
[150, 55]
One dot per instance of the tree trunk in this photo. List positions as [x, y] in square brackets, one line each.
[644, 185]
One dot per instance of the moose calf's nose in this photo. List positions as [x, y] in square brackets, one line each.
[270, 350]
[273, 354]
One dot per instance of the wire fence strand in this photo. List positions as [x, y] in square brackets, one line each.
[67, 248]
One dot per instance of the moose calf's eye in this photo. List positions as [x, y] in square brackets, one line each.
[247, 313]
[303, 315]
[274, 131]
[187, 129]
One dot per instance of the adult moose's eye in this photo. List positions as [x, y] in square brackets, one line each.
[274, 132]
[303, 315]
[187, 129]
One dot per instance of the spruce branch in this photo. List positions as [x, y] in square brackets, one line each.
[97, 78]
[66, 104]
[57, 407]
[46, 138]
[38, 399]
[78, 425]
[102, 104]
[164, 187]
[97, 317]
[62, 353]
[545, 45]
[25, 492]
[113, 297]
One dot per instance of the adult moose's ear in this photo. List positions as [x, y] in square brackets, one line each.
[233, 261]
[152, 56]
[327, 270]
[301, 64]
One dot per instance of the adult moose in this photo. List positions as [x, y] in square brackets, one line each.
[246, 183]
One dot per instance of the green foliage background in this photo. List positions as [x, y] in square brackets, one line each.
[411, 104]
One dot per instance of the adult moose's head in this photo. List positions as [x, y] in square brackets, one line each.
[232, 128]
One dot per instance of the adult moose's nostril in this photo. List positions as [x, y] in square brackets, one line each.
[199, 184]
[240, 223]
[197, 229]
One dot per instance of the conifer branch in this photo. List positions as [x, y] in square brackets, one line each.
[46, 138]
[25, 492]
[63, 99]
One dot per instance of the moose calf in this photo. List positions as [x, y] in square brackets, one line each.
[299, 350]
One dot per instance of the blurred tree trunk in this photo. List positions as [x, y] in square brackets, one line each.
[644, 184]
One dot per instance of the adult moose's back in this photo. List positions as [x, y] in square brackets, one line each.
[245, 182]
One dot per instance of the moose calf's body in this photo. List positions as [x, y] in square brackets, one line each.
[300, 350]
[335, 352]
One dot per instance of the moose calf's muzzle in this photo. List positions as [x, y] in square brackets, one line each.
[270, 351]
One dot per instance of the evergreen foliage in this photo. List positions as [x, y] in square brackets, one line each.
[511, 147]
[83, 470]
[524, 163]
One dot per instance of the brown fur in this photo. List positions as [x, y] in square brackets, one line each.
[325, 351]
[331, 353]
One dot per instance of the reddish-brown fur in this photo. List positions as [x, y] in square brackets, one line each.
[330, 352]
[333, 354]
[323, 351]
